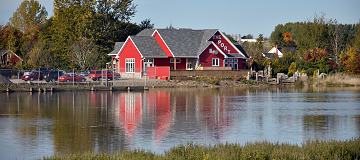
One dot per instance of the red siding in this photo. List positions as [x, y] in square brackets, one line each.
[162, 44]
[205, 57]
[15, 59]
[222, 43]
[153, 72]
[130, 51]
[166, 62]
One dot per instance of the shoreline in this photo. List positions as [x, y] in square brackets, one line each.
[160, 84]
[311, 149]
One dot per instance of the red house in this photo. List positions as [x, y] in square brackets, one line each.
[180, 49]
[6, 56]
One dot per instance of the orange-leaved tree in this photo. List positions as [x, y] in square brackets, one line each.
[352, 64]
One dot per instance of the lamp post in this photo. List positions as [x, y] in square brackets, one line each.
[106, 73]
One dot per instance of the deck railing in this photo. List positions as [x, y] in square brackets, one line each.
[209, 73]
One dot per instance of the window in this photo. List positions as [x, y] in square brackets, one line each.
[235, 66]
[210, 50]
[226, 60]
[236, 60]
[215, 62]
[130, 65]
[177, 60]
[230, 60]
[148, 60]
[231, 65]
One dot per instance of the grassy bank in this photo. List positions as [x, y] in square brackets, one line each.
[315, 149]
[338, 79]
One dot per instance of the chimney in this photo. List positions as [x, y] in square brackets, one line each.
[276, 51]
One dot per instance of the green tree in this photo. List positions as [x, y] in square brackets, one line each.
[72, 21]
[292, 69]
[356, 40]
[146, 24]
[276, 67]
[29, 14]
[11, 39]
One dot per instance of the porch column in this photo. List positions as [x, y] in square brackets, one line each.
[174, 63]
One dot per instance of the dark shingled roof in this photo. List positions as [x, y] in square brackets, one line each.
[3, 51]
[238, 46]
[287, 49]
[234, 55]
[181, 42]
[268, 55]
[148, 46]
[186, 42]
[146, 32]
[117, 48]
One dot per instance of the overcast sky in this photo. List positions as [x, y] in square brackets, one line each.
[230, 16]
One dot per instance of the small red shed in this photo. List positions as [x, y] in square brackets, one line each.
[9, 56]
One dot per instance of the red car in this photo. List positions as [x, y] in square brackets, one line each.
[33, 75]
[98, 74]
[71, 77]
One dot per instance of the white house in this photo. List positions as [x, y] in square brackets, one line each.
[279, 51]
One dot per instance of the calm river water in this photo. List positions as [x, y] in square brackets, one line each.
[33, 125]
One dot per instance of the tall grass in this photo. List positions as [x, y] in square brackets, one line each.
[338, 79]
[312, 149]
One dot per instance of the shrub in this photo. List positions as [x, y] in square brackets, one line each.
[310, 71]
[315, 74]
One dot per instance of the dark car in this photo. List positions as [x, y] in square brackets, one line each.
[44, 70]
[33, 75]
[53, 76]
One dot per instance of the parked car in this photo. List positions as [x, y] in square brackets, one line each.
[27, 73]
[84, 73]
[99, 74]
[44, 70]
[53, 76]
[71, 77]
[33, 75]
[64, 72]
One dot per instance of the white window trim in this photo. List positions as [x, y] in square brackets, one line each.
[216, 62]
[235, 60]
[128, 63]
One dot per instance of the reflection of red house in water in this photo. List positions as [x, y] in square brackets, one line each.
[159, 104]
[131, 109]
[215, 113]
[98, 99]
[130, 112]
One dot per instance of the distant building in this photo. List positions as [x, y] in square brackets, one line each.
[248, 40]
[279, 51]
[9, 56]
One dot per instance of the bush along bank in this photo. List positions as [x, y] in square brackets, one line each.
[311, 149]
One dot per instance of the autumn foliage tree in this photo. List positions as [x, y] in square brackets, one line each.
[352, 63]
